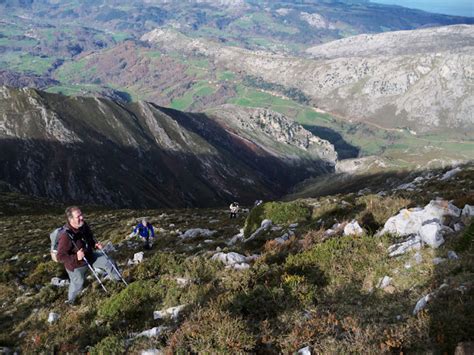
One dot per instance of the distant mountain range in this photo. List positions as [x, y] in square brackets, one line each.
[418, 79]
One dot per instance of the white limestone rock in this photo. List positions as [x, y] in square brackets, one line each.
[412, 243]
[236, 238]
[410, 221]
[264, 226]
[422, 302]
[468, 211]
[458, 226]
[151, 352]
[197, 232]
[304, 351]
[181, 281]
[452, 255]
[138, 257]
[384, 282]
[234, 260]
[418, 257]
[239, 266]
[52, 317]
[230, 258]
[335, 229]
[172, 312]
[353, 228]
[451, 173]
[407, 187]
[282, 239]
[431, 234]
[56, 281]
[149, 333]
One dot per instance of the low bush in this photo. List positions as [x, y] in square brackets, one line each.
[109, 345]
[133, 302]
[341, 259]
[159, 264]
[44, 272]
[278, 212]
[379, 209]
[7, 272]
[466, 241]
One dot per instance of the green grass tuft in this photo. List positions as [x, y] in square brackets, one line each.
[278, 212]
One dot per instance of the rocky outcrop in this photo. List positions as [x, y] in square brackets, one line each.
[251, 123]
[422, 225]
[424, 85]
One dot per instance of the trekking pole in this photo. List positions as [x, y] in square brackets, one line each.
[95, 274]
[89, 265]
[114, 267]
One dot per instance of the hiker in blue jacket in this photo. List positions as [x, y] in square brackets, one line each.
[144, 230]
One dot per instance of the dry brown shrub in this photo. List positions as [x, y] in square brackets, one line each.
[312, 237]
[290, 245]
[318, 327]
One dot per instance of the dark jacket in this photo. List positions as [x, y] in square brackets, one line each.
[83, 238]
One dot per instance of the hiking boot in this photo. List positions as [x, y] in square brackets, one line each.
[71, 304]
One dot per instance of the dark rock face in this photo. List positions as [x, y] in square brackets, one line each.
[91, 150]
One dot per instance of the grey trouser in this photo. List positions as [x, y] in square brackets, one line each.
[78, 276]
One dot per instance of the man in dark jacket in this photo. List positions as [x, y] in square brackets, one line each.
[77, 243]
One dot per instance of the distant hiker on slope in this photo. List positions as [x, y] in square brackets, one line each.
[234, 209]
[145, 230]
[76, 250]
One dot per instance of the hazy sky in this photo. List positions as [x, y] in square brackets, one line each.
[451, 7]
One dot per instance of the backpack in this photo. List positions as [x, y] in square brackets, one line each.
[54, 236]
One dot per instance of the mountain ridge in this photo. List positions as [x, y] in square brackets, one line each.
[87, 149]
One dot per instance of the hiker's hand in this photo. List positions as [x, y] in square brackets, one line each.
[98, 245]
[80, 254]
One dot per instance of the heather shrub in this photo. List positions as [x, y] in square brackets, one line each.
[214, 331]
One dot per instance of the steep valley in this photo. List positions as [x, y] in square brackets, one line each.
[91, 150]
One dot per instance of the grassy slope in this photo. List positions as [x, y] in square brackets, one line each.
[308, 291]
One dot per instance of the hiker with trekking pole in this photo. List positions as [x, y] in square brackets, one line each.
[78, 251]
